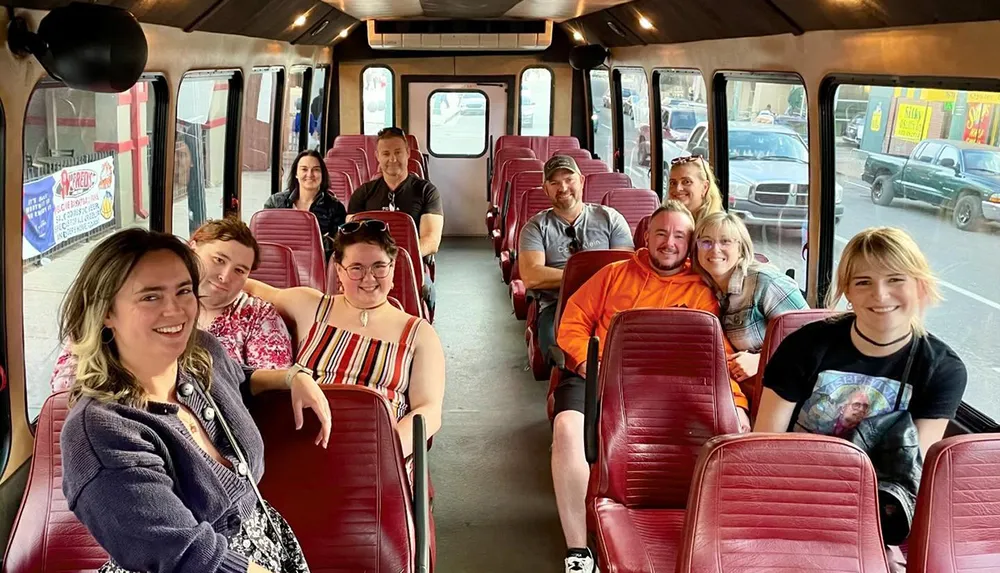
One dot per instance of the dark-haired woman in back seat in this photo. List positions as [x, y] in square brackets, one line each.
[309, 190]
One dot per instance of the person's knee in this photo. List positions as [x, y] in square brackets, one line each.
[567, 433]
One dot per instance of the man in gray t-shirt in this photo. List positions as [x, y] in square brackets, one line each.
[550, 237]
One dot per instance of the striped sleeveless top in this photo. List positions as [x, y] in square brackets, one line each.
[338, 356]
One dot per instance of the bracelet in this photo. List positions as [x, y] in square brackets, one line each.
[295, 369]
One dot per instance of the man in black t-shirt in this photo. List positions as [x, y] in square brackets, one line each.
[399, 190]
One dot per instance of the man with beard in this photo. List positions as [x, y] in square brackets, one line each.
[550, 237]
[659, 276]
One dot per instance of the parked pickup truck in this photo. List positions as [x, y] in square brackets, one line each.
[962, 178]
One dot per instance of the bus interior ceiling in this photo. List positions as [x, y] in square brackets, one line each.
[495, 508]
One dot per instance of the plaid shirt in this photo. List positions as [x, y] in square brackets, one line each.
[753, 299]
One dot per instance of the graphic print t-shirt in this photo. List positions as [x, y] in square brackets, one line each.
[835, 386]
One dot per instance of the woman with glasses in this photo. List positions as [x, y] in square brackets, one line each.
[358, 337]
[309, 190]
[750, 293]
[692, 182]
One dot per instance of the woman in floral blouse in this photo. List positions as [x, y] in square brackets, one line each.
[249, 328]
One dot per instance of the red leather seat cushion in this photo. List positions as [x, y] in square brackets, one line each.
[633, 204]
[340, 186]
[593, 166]
[344, 165]
[637, 540]
[595, 185]
[576, 153]
[298, 230]
[639, 235]
[356, 154]
[277, 266]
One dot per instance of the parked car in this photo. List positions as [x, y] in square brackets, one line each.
[768, 173]
[472, 104]
[678, 121]
[854, 129]
[960, 177]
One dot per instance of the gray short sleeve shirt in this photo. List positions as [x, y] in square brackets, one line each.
[597, 227]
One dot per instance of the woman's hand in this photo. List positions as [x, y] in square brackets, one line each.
[307, 394]
[743, 365]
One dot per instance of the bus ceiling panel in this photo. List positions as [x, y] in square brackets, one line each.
[556, 10]
[559, 11]
[859, 14]
[467, 8]
[176, 13]
[275, 19]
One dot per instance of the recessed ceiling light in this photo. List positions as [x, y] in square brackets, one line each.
[645, 23]
[300, 21]
[577, 36]
[343, 33]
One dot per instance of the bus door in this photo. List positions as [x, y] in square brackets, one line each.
[454, 122]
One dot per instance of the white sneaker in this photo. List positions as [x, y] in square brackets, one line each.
[577, 564]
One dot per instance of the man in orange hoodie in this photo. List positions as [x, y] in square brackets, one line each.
[657, 277]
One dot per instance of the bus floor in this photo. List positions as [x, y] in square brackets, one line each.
[494, 507]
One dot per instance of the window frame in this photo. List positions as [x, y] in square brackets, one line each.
[306, 72]
[552, 96]
[486, 124]
[656, 122]
[328, 71]
[591, 101]
[967, 418]
[361, 95]
[618, 117]
[278, 106]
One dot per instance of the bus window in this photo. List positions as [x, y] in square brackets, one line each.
[458, 120]
[200, 152]
[600, 118]
[949, 205]
[259, 123]
[293, 142]
[376, 99]
[87, 172]
[536, 102]
[769, 168]
[683, 119]
[634, 113]
[316, 106]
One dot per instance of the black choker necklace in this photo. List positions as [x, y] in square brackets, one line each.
[879, 344]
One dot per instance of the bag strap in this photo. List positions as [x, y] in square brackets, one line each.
[906, 369]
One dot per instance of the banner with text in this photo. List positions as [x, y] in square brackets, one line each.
[66, 204]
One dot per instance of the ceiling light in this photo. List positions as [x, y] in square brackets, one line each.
[343, 33]
[645, 23]
[300, 21]
[577, 36]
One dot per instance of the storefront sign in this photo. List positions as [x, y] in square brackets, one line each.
[912, 122]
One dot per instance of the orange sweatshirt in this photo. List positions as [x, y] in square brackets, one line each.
[623, 286]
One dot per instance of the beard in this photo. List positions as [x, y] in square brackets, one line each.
[653, 262]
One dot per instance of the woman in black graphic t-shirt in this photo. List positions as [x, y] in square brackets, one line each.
[828, 376]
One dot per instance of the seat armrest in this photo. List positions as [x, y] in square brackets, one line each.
[591, 404]
[421, 496]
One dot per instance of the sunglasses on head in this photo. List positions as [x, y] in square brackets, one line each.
[690, 159]
[375, 225]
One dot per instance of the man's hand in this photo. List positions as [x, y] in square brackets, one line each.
[743, 365]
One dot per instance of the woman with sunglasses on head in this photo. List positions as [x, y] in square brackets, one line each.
[692, 182]
[358, 337]
[750, 293]
[309, 190]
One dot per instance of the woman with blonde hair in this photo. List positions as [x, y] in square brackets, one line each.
[880, 346]
[692, 182]
[160, 456]
[750, 293]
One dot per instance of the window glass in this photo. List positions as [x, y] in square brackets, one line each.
[952, 216]
[87, 174]
[536, 101]
[458, 123]
[635, 114]
[949, 153]
[929, 153]
[296, 80]
[316, 105]
[600, 119]
[769, 168]
[257, 139]
[199, 152]
[377, 99]
[683, 117]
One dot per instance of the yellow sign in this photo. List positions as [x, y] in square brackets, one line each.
[912, 122]
[931, 94]
[984, 97]
[877, 118]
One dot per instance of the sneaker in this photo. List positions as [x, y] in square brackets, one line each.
[578, 564]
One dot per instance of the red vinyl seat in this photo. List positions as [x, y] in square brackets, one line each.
[593, 166]
[46, 536]
[510, 169]
[579, 268]
[577, 153]
[366, 142]
[416, 167]
[555, 143]
[496, 184]
[356, 154]
[777, 329]
[543, 145]
[533, 201]
[633, 204]
[298, 230]
[404, 284]
[755, 505]
[956, 528]
[411, 140]
[277, 266]
[663, 389]
[519, 185]
[415, 154]
[341, 187]
[404, 232]
[596, 185]
[639, 234]
[350, 505]
[344, 165]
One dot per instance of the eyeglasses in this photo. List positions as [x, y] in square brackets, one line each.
[374, 225]
[391, 131]
[574, 242]
[707, 244]
[358, 272]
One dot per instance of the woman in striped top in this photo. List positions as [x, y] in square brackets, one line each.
[358, 338]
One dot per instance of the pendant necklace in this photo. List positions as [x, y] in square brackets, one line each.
[364, 311]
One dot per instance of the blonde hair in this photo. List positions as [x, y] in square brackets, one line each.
[892, 249]
[713, 198]
[728, 225]
[100, 373]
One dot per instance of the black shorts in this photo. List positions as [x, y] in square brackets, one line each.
[571, 393]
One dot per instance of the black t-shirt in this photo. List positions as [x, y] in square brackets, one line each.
[414, 196]
[835, 386]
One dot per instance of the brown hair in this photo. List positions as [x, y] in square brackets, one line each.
[365, 234]
[228, 229]
[392, 133]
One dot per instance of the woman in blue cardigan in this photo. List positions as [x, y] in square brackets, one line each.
[160, 455]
